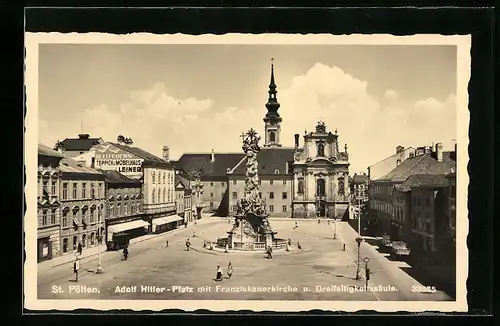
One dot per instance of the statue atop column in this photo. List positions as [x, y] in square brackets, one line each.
[251, 210]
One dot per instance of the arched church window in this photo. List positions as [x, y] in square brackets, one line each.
[272, 136]
[320, 187]
[321, 150]
[300, 187]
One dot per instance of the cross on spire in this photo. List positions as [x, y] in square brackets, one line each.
[272, 61]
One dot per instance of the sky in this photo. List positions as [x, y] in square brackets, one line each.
[195, 98]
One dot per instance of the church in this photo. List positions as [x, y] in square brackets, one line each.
[301, 182]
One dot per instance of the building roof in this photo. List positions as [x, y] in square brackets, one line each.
[393, 156]
[115, 177]
[270, 160]
[360, 179]
[422, 164]
[148, 157]
[47, 151]
[82, 143]
[183, 181]
[69, 165]
[189, 163]
[423, 180]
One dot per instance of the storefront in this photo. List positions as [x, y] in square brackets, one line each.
[166, 223]
[44, 249]
[120, 234]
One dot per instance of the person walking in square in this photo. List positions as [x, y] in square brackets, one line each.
[218, 277]
[80, 248]
[188, 244]
[229, 270]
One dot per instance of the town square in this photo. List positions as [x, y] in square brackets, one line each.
[291, 180]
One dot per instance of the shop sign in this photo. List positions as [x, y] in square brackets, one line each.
[109, 157]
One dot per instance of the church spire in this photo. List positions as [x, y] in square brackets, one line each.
[272, 104]
[272, 119]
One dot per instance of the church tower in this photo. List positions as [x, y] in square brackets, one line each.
[272, 119]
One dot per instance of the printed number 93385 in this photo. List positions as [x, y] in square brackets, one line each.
[423, 289]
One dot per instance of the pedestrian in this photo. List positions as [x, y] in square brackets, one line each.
[226, 249]
[188, 244]
[125, 252]
[298, 245]
[80, 248]
[269, 252]
[296, 225]
[218, 277]
[204, 243]
[229, 270]
[319, 221]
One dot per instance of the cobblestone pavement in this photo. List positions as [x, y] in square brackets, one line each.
[318, 271]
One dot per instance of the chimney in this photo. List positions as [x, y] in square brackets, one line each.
[83, 136]
[296, 140]
[212, 159]
[439, 152]
[166, 153]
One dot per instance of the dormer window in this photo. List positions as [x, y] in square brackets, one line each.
[276, 171]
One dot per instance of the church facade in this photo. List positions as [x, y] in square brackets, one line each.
[307, 182]
[320, 176]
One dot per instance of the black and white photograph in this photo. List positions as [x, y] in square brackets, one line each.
[239, 171]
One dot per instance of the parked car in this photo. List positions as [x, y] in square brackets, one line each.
[399, 248]
[386, 240]
[120, 240]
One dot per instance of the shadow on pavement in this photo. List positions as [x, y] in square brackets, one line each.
[429, 278]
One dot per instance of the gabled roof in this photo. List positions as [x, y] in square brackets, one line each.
[360, 179]
[270, 160]
[79, 144]
[422, 164]
[189, 163]
[47, 151]
[423, 180]
[148, 157]
[115, 177]
[181, 180]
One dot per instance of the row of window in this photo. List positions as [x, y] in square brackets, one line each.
[271, 182]
[417, 201]
[284, 208]
[125, 209]
[85, 192]
[48, 219]
[162, 177]
[382, 190]
[92, 240]
[158, 195]
[284, 195]
[83, 213]
[422, 223]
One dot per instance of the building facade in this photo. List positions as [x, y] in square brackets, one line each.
[321, 176]
[48, 208]
[183, 199]
[124, 218]
[155, 174]
[387, 193]
[428, 206]
[82, 196]
[208, 176]
[275, 181]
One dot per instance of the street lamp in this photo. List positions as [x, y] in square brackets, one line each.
[99, 243]
[358, 241]
[367, 272]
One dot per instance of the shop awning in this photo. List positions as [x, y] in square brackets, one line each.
[167, 219]
[127, 226]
